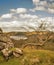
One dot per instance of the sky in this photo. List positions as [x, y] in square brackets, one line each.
[6, 5]
[18, 13]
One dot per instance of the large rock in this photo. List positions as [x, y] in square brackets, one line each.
[6, 53]
[5, 40]
[9, 52]
[17, 52]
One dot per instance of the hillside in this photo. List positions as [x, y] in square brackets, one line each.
[45, 39]
[37, 46]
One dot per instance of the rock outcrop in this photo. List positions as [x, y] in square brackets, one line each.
[7, 47]
[6, 40]
[6, 53]
[15, 52]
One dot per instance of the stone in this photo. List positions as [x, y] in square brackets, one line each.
[17, 52]
[6, 53]
[7, 46]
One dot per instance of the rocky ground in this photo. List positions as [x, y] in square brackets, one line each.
[7, 47]
[37, 39]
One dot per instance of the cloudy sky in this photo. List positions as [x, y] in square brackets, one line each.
[26, 14]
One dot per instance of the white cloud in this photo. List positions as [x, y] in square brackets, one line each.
[43, 3]
[32, 10]
[39, 5]
[43, 6]
[6, 16]
[12, 10]
[50, 10]
[28, 22]
[36, 1]
[40, 8]
[19, 10]
[29, 16]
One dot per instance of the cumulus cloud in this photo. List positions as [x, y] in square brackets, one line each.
[6, 16]
[36, 1]
[50, 10]
[12, 10]
[39, 5]
[28, 16]
[41, 8]
[27, 22]
[43, 5]
[19, 10]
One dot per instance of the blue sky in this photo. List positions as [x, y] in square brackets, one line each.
[6, 5]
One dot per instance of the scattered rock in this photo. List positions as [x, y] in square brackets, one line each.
[6, 46]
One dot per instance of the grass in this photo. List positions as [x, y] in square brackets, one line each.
[31, 57]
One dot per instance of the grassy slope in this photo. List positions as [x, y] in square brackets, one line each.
[45, 57]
